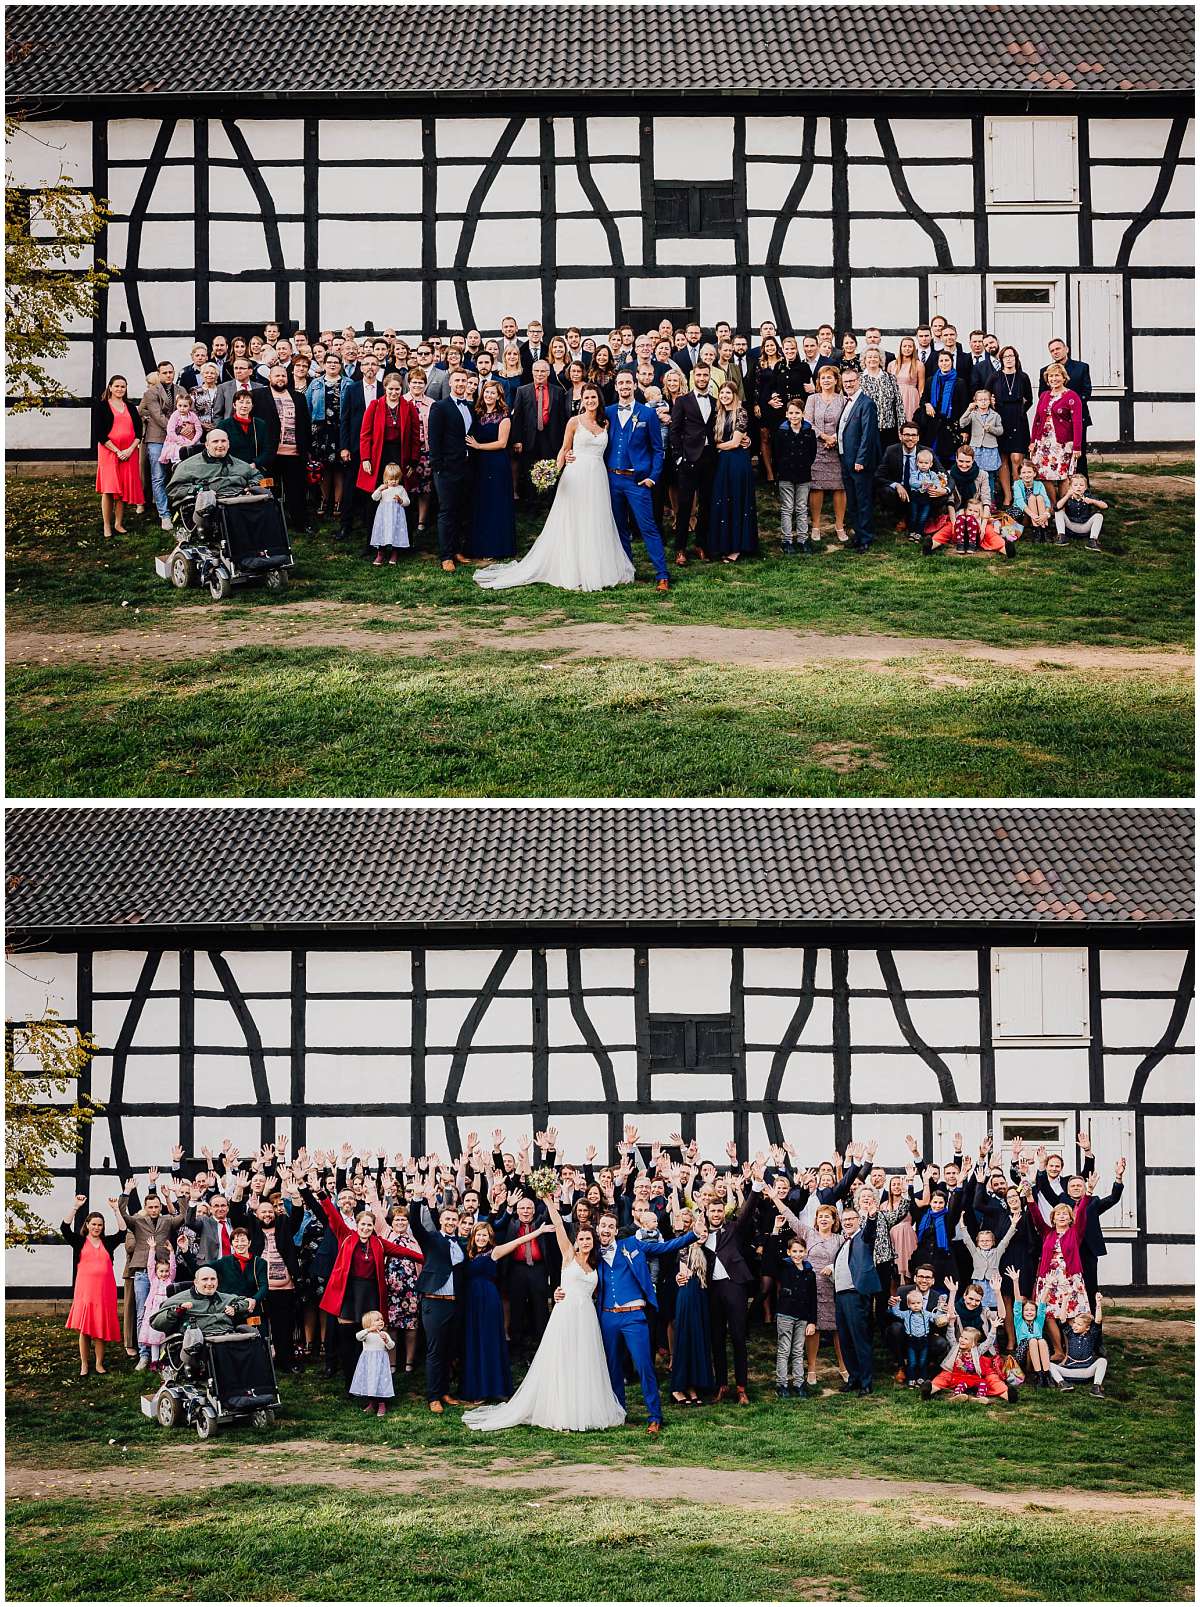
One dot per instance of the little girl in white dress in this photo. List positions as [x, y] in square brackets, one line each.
[373, 1374]
[391, 527]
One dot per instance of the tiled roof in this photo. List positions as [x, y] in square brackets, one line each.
[408, 867]
[248, 52]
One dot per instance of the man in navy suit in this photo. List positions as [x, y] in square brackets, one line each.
[357, 394]
[441, 1288]
[860, 450]
[1079, 380]
[634, 458]
[855, 1283]
[624, 1293]
[449, 423]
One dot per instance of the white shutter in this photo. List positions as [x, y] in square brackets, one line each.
[1113, 1134]
[1039, 993]
[1054, 161]
[1098, 335]
[1064, 993]
[1031, 162]
[974, 1125]
[1016, 993]
[957, 297]
[1010, 151]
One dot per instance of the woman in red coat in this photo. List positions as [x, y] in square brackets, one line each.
[357, 1284]
[1056, 436]
[391, 433]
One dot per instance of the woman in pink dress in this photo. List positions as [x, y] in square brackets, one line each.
[1056, 435]
[1060, 1287]
[93, 1313]
[909, 373]
[116, 435]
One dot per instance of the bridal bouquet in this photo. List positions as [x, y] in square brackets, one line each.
[543, 475]
[543, 1181]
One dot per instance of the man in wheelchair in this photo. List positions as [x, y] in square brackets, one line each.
[213, 470]
[201, 1307]
[216, 1372]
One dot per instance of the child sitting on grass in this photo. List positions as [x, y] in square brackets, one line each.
[970, 531]
[966, 1371]
[927, 493]
[1031, 503]
[1078, 514]
[373, 1374]
[1032, 1352]
[1085, 1356]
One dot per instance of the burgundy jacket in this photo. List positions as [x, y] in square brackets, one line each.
[1071, 1239]
[347, 1238]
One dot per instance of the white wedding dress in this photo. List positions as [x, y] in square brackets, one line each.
[579, 548]
[567, 1385]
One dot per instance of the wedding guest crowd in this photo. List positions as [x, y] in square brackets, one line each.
[471, 426]
[958, 1277]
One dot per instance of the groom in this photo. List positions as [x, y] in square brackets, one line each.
[635, 460]
[624, 1292]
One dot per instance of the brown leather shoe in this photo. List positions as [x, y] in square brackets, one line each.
[436, 1406]
[653, 1428]
[448, 565]
[722, 1392]
[663, 585]
[901, 1376]
[743, 1398]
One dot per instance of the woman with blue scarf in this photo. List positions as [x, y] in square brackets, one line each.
[945, 403]
[935, 1232]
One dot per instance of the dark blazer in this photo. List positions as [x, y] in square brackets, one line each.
[303, 422]
[1079, 380]
[1093, 1234]
[253, 445]
[948, 425]
[526, 422]
[890, 471]
[964, 364]
[691, 438]
[732, 1237]
[447, 437]
[351, 413]
[286, 1223]
[528, 359]
[436, 1248]
[862, 1257]
[860, 441]
[983, 373]
[103, 421]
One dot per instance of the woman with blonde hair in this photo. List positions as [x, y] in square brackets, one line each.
[823, 411]
[907, 369]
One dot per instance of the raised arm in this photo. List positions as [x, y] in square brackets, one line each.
[560, 1232]
[502, 1250]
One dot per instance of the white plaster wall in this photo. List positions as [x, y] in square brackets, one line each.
[1043, 240]
[774, 136]
[696, 252]
[1134, 1023]
[269, 139]
[62, 428]
[1163, 303]
[1164, 421]
[932, 136]
[35, 983]
[890, 243]
[891, 1130]
[479, 136]
[174, 189]
[892, 303]
[690, 980]
[1131, 137]
[1170, 1141]
[1171, 1264]
[1164, 362]
[131, 139]
[38, 1266]
[1164, 242]
[387, 139]
[365, 189]
[890, 1079]
[41, 153]
[369, 244]
[1170, 1204]
[693, 149]
[1041, 1074]
[769, 1015]
[613, 136]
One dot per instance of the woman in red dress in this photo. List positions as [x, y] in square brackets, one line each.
[116, 434]
[93, 1312]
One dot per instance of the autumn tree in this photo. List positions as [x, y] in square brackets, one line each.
[47, 231]
[43, 1114]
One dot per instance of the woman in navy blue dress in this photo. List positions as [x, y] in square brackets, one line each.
[733, 519]
[486, 1372]
[494, 518]
[691, 1354]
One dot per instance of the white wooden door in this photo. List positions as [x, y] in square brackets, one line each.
[1113, 1135]
[956, 297]
[1027, 313]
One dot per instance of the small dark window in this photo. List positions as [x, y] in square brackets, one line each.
[672, 208]
[716, 210]
[1022, 295]
[691, 1043]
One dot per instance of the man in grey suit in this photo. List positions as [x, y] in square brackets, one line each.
[243, 380]
[213, 1232]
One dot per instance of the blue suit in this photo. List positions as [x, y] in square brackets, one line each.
[860, 443]
[634, 454]
[629, 1279]
[852, 1306]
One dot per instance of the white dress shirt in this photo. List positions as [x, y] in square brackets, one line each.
[465, 411]
[842, 1278]
[846, 412]
[704, 402]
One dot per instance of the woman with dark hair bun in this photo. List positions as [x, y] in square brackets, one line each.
[116, 433]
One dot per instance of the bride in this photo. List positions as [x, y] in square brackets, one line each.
[579, 548]
[567, 1385]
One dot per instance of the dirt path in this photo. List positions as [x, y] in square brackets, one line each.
[361, 628]
[545, 1479]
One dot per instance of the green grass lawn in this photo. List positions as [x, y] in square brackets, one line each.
[676, 1539]
[60, 570]
[328, 722]
[464, 720]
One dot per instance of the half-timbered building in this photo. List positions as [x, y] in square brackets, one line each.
[401, 976]
[1022, 168]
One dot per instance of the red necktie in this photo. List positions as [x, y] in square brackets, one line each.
[225, 1245]
[544, 404]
